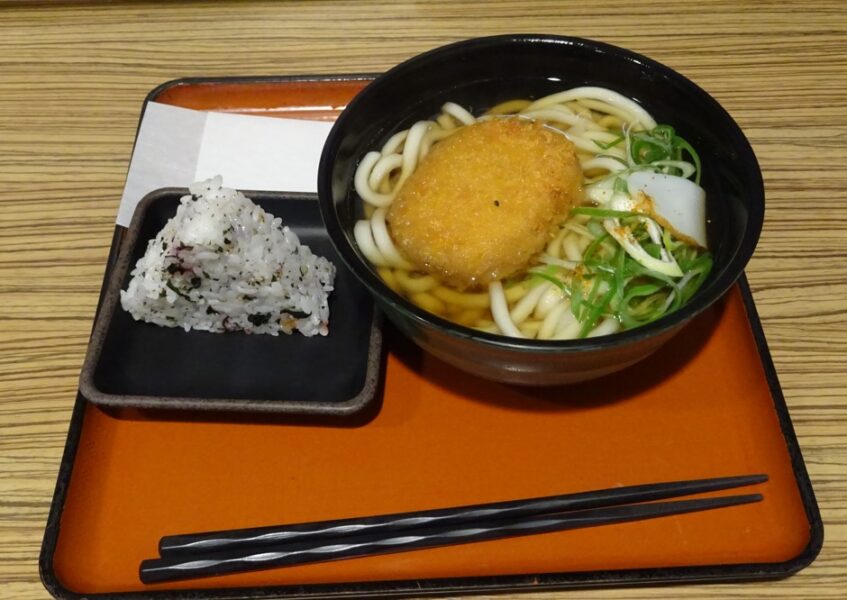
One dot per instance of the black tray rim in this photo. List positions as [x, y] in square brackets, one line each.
[537, 582]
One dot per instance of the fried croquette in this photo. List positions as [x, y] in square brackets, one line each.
[485, 201]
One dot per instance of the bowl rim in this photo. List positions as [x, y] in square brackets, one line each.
[704, 298]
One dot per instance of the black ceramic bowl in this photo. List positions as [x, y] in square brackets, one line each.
[479, 73]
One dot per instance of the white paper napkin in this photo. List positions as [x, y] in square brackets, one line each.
[177, 146]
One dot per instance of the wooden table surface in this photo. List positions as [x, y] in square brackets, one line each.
[72, 79]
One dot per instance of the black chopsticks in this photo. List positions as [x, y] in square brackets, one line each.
[215, 553]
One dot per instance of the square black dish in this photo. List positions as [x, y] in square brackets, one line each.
[133, 363]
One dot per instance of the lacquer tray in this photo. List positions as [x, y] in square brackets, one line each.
[707, 404]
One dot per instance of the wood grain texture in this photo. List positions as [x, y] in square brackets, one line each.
[72, 79]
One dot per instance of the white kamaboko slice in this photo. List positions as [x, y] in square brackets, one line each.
[678, 203]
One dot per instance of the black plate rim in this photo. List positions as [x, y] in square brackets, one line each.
[109, 305]
[442, 587]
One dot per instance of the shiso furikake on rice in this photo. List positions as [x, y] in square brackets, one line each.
[224, 264]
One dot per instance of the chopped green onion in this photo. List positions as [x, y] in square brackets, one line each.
[661, 148]
[636, 294]
[596, 311]
[595, 228]
[681, 145]
[614, 142]
[613, 280]
[576, 297]
[652, 249]
[594, 246]
[620, 281]
[681, 168]
[554, 280]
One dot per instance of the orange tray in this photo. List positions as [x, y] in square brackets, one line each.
[708, 404]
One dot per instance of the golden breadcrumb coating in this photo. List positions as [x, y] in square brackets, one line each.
[486, 200]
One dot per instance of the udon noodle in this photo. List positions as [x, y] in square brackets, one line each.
[620, 260]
